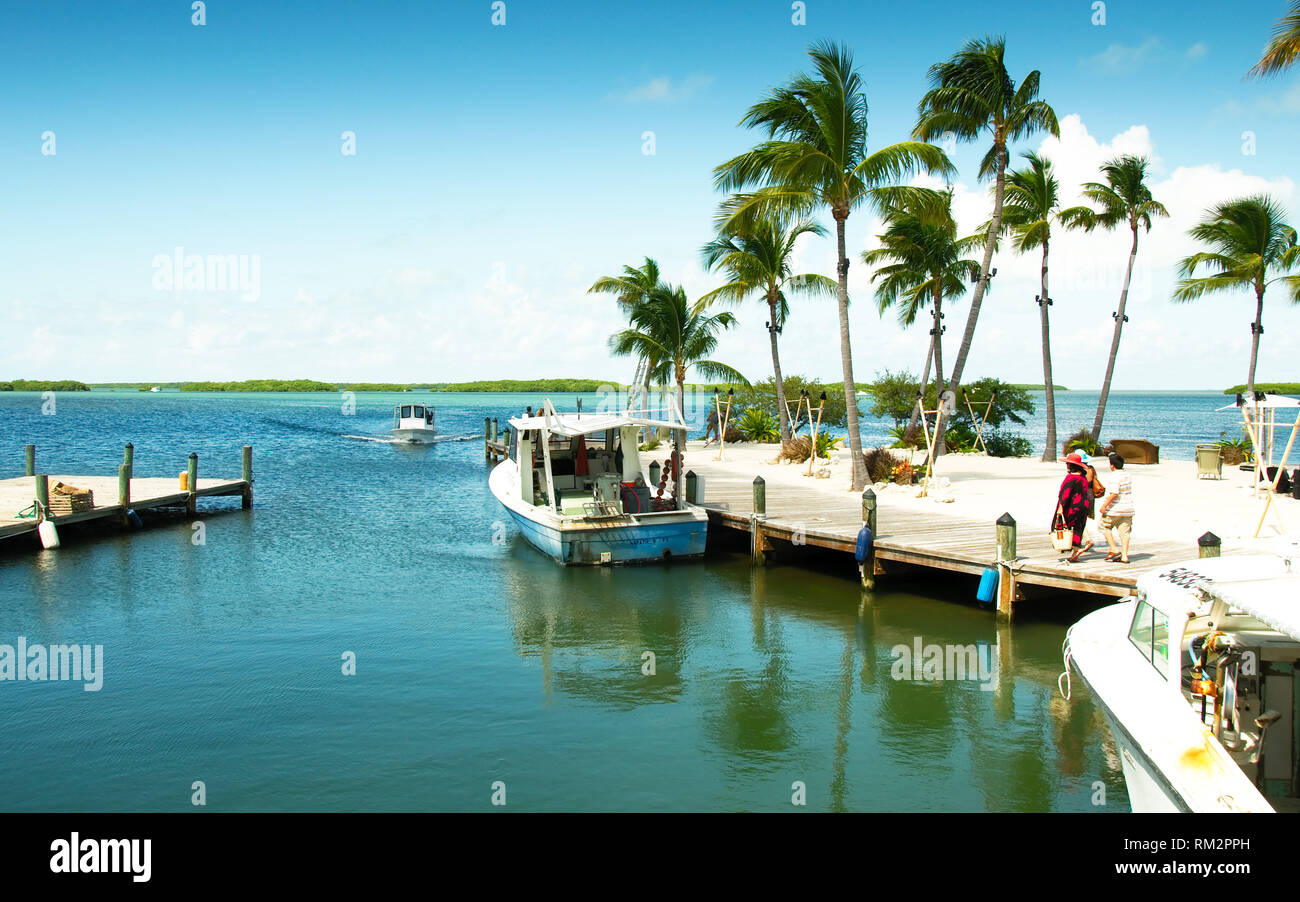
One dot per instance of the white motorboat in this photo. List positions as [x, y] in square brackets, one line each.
[413, 424]
[1197, 676]
[574, 485]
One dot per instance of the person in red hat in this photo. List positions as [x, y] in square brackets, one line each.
[1073, 501]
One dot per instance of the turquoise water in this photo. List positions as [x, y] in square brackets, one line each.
[478, 660]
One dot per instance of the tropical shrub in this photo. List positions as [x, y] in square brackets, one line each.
[757, 425]
[904, 473]
[1083, 441]
[1001, 444]
[1236, 450]
[880, 464]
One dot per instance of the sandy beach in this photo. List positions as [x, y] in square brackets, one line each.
[1172, 503]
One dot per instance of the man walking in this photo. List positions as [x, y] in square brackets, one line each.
[1117, 513]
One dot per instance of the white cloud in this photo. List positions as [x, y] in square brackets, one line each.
[1121, 58]
[664, 89]
[1197, 51]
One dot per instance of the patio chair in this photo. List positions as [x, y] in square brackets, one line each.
[1209, 462]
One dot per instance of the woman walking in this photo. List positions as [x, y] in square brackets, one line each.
[1072, 503]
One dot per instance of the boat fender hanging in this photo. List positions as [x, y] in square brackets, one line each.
[134, 519]
[49, 536]
[988, 585]
[864, 544]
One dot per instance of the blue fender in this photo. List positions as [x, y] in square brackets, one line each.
[988, 585]
[864, 545]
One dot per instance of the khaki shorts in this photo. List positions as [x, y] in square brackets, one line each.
[1122, 525]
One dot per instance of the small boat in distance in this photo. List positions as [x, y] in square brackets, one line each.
[413, 424]
[574, 485]
[1196, 676]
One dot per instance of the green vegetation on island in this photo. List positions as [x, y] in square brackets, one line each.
[289, 385]
[524, 385]
[1026, 386]
[1273, 388]
[44, 385]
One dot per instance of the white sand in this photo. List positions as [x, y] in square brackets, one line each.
[1171, 503]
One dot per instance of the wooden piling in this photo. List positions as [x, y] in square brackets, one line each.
[124, 492]
[30, 455]
[1209, 545]
[247, 475]
[1006, 538]
[42, 495]
[128, 458]
[758, 544]
[487, 439]
[867, 568]
[192, 483]
[760, 496]
[692, 483]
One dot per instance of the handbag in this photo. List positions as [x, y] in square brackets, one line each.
[1062, 535]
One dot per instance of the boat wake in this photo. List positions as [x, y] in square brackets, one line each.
[389, 440]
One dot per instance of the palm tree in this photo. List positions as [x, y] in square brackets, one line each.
[923, 265]
[759, 261]
[972, 95]
[816, 156]
[1251, 247]
[1124, 199]
[632, 287]
[674, 336]
[1032, 202]
[1284, 46]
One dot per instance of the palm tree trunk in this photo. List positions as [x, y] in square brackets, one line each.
[1049, 452]
[963, 351]
[1114, 342]
[846, 357]
[1255, 333]
[679, 435]
[776, 369]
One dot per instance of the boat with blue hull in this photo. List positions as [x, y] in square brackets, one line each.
[582, 496]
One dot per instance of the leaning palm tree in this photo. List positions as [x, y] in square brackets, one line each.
[1250, 247]
[972, 95]
[675, 336]
[759, 263]
[816, 157]
[632, 287]
[923, 265]
[1284, 47]
[1032, 202]
[1124, 199]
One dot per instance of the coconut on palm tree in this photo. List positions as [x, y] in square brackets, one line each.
[971, 96]
[675, 336]
[1032, 202]
[759, 263]
[1284, 47]
[923, 265]
[816, 157]
[1251, 246]
[1125, 199]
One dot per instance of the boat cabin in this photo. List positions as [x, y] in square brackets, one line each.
[588, 465]
[412, 416]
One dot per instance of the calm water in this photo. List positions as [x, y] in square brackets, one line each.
[481, 661]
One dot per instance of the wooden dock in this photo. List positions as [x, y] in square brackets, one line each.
[114, 496]
[906, 539]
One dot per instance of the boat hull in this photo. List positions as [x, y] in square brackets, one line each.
[413, 436]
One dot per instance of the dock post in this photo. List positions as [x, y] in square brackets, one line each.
[496, 430]
[128, 458]
[192, 479]
[1006, 530]
[487, 440]
[867, 568]
[758, 541]
[247, 475]
[30, 454]
[42, 496]
[1209, 545]
[692, 487]
[124, 492]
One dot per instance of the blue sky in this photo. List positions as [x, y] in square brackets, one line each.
[499, 170]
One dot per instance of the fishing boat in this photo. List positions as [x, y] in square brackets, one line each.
[1196, 676]
[413, 424]
[575, 487]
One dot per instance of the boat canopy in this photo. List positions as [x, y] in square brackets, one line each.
[1262, 585]
[571, 424]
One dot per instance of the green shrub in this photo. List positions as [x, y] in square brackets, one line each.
[1001, 444]
[880, 464]
[1082, 441]
[757, 425]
